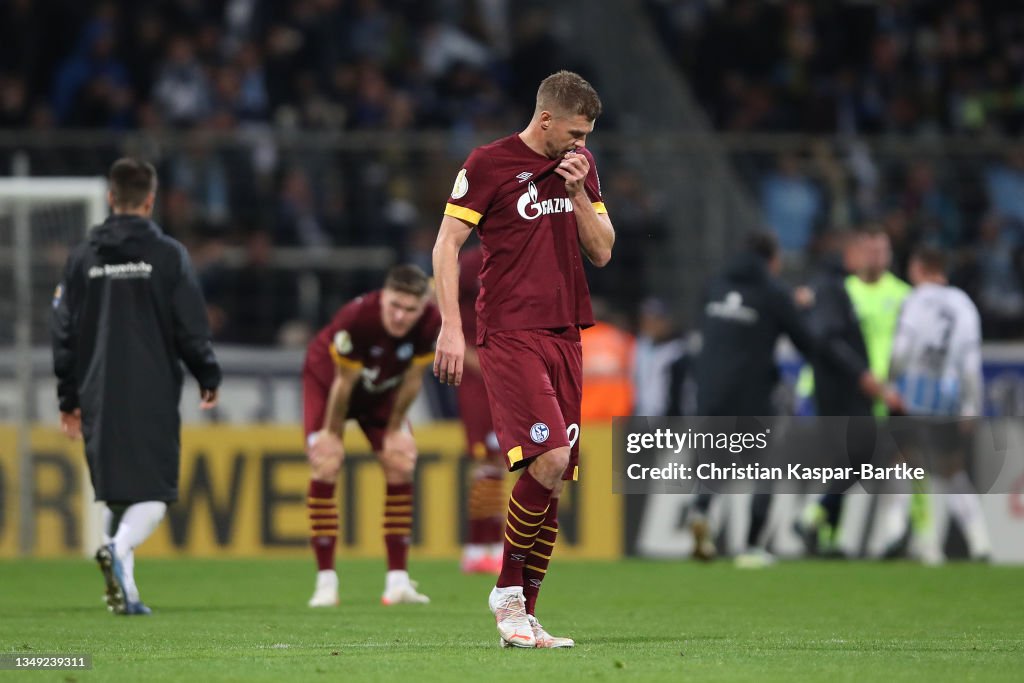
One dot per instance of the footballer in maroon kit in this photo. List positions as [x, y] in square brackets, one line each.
[367, 365]
[535, 201]
[485, 504]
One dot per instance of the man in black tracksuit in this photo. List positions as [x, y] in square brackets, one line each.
[747, 309]
[831, 316]
[127, 313]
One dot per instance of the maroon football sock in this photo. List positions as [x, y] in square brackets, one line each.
[323, 522]
[527, 508]
[537, 562]
[398, 524]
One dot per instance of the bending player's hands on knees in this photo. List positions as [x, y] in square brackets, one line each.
[326, 450]
[398, 454]
[449, 356]
[399, 441]
[574, 168]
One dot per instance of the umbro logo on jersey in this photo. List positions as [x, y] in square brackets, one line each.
[524, 176]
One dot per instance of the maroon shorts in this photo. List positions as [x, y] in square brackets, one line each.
[475, 413]
[372, 419]
[535, 383]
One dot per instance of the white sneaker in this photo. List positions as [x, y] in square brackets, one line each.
[509, 609]
[326, 593]
[404, 593]
[542, 637]
[755, 558]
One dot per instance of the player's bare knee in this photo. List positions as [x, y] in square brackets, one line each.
[547, 468]
[398, 475]
[327, 471]
[398, 468]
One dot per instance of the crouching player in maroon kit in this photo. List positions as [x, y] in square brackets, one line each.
[367, 365]
[485, 505]
[536, 202]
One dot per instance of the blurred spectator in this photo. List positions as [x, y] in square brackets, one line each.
[199, 172]
[182, 90]
[92, 86]
[1005, 185]
[14, 111]
[658, 351]
[299, 222]
[933, 213]
[999, 286]
[640, 228]
[792, 204]
[443, 45]
[852, 67]
[259, 299]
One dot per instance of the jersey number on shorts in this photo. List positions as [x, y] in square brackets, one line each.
[573, 432]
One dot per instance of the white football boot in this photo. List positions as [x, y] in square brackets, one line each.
[543, 638]
[509, 609]
[326, 593]
[399, 589]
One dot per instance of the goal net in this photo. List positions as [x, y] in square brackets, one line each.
[41, 220]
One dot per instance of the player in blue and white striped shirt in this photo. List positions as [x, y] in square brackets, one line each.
[936, 363]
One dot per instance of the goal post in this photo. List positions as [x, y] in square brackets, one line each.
[40, 220]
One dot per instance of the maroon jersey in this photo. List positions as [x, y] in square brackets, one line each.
[470, 261]
[356, 338]
[532, 276]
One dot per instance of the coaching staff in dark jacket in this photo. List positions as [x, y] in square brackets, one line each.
[837, 393]
[830, 314]
[747, 309]
[127, 313]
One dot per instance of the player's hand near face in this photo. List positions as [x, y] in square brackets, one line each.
[450, 355]
[574, 168]
[71, 424]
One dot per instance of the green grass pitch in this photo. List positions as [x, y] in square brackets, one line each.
[246, 620]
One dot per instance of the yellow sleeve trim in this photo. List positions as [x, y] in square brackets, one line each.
[599, 207]
[423, 359]
[468, 215]
[341, 361]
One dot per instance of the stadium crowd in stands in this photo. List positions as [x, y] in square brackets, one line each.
[898, 70]
[210, 89]
[215, 92]
[896, 66]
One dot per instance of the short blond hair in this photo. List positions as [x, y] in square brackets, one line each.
[568, 93]
[408, 279]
